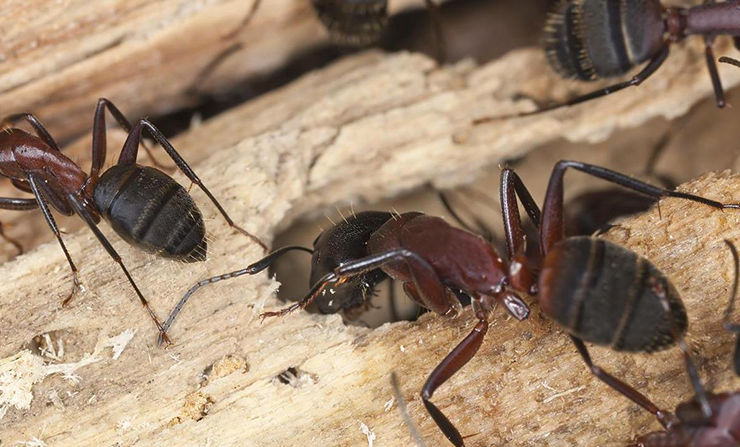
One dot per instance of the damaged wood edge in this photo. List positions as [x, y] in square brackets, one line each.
[265, 182]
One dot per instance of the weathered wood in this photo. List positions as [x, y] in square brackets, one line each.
[367, 127]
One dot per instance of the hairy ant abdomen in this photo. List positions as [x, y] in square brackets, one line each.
[342, 243]
[606, 294]
[150, 210]
[594, 39]
[353, 22]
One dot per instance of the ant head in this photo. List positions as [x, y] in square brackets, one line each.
[729, 60]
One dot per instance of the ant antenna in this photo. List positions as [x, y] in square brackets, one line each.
[405, 411]
[729, 326]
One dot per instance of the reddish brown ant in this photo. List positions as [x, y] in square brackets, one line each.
[145, 206]
[595, 39]
[708, 419]
[577, 286]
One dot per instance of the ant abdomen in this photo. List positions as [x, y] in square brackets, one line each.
[353, 22]
[150, 210]
[591, 39]
[606, 294]
[342, 243]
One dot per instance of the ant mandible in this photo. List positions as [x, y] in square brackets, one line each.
[708, 419]
[593, 39]
[145, 206]
[577, 286]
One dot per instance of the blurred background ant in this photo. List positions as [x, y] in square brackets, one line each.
[600, 39]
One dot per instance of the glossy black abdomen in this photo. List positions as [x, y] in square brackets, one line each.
[606, 294]
[591, 39]
[150, 210]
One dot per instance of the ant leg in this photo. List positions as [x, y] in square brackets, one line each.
[210, 67]
[480, 228]
[252, 269]
[439, 38]
[553, 231]
[455, 360]
[719, 93]
[245, 21]
[659, 288]
[22, 185]
[8, 203]
[664, 417]
[53, 225]
[729, 326]
[217, 60]
[432, 293]
[638, 79]
[14, 242]
[80, 210]
[35, 123]
[511, 188]
[99, 137]
[130, 150]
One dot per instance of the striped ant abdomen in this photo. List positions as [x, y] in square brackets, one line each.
[591, 39]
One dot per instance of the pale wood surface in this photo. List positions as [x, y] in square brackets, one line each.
[367, 127]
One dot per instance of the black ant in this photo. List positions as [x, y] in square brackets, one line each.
[145, 206]
[577, 287]
[708, 419]
[595, 39]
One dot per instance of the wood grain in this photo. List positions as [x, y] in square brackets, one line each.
[369, 126]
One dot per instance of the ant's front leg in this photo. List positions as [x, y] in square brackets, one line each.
[552, 230]
[9, 203]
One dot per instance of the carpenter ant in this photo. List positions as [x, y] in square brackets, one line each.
[707, 420]
[578, 286]
[145, 206]
[593, 39]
